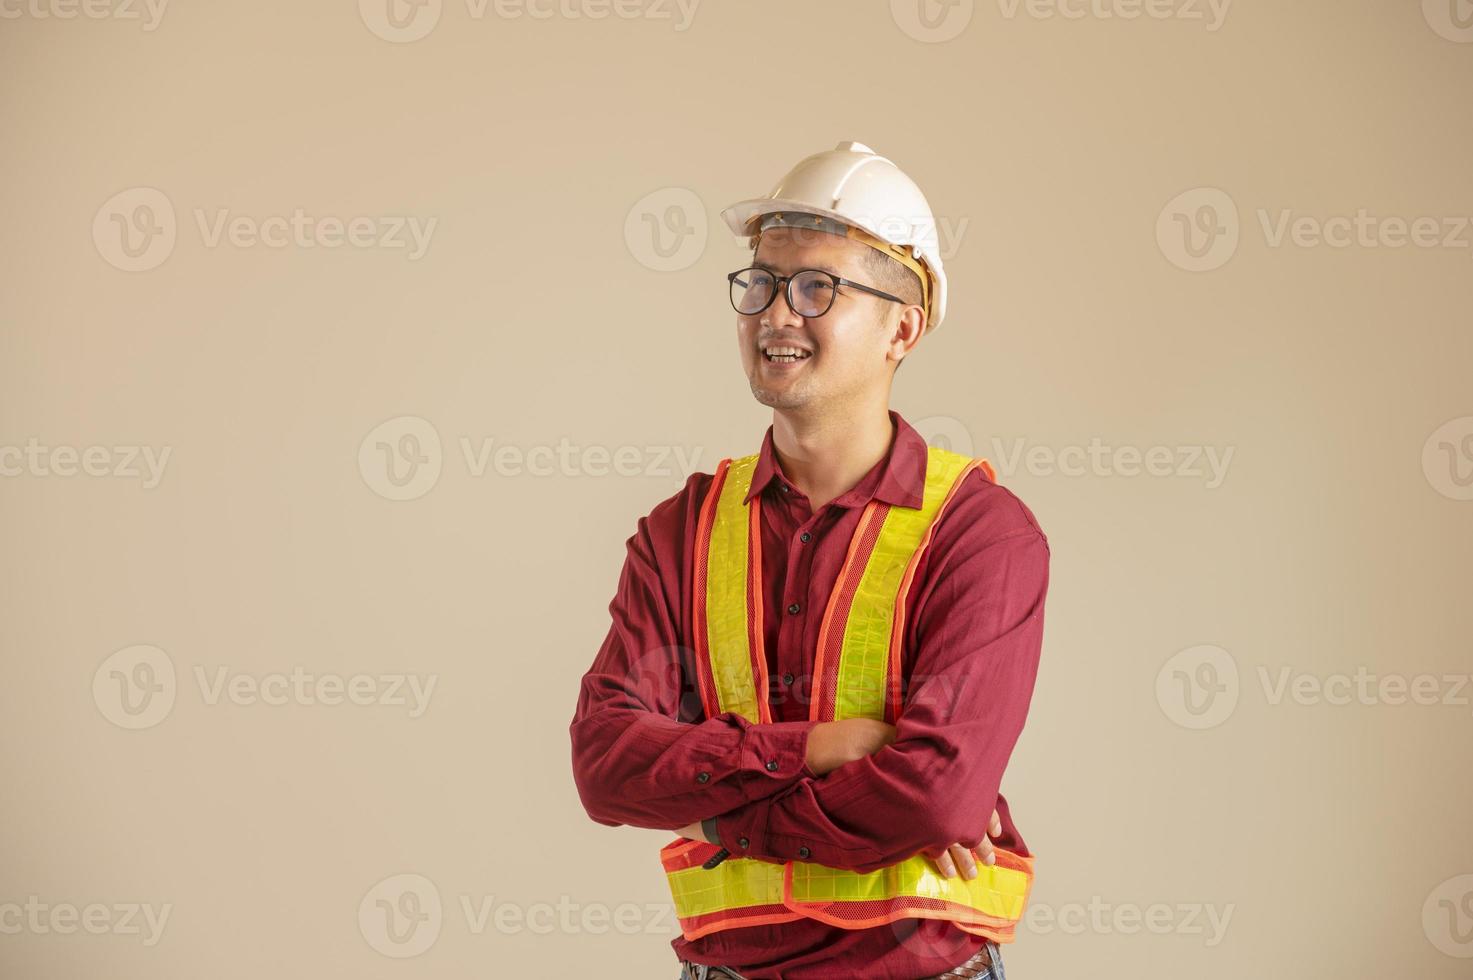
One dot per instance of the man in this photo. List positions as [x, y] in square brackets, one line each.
[822, 655]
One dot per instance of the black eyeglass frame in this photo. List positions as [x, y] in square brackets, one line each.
[784, 285]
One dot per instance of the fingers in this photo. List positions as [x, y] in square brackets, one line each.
[985, 849]
[985, 852]
[965, 863]
[957, 861]
[961, 860]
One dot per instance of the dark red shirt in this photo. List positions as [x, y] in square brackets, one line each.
[644, 755]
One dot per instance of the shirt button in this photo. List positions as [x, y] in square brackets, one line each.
[772, 765]
[793, 609]
[788, 679]
[701, 777]
[803, 852]
[804, 536]
[742, 842]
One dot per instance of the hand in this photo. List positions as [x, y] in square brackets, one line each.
[959, 856]
[833, 743]
[693, 832]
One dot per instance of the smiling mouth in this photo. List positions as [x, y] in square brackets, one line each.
[785, 355]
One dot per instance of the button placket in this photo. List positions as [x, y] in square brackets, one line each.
[791, 625]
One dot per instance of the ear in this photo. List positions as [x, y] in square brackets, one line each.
[906, 331]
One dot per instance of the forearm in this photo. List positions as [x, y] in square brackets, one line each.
[638, 756]
[645, 770]
[918, 795]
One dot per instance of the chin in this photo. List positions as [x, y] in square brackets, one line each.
[779, 399]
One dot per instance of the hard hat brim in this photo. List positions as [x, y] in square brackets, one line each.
[740, 216]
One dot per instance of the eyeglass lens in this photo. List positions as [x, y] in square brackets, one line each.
[810, 292]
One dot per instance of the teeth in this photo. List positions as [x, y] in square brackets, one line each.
[785, 354]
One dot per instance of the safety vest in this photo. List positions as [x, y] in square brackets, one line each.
[856, 675]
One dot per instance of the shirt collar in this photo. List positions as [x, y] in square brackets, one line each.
[899, 478]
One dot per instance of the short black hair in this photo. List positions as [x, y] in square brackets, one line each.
[892, 276]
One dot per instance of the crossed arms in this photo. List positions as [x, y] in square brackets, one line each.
[932, 783]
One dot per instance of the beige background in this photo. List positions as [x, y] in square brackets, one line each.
[544, 314]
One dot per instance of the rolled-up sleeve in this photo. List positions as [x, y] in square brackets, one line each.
[635, 761]
[979, 634]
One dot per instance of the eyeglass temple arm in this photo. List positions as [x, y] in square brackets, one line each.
[840, 280]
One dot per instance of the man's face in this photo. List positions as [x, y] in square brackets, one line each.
[849, 344]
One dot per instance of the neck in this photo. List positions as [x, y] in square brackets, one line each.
[827, 457]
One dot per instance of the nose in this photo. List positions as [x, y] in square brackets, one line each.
[779, 313]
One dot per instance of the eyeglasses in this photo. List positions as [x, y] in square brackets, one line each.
[810, 292]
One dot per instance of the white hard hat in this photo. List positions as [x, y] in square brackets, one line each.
[859, 189]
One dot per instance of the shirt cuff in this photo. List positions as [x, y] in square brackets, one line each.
[745, 833]
[776, 752]
[742, 831]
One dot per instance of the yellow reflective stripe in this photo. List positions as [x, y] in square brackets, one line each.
[726, 595]
[734, 883]
[996, 891]
[864, 656]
